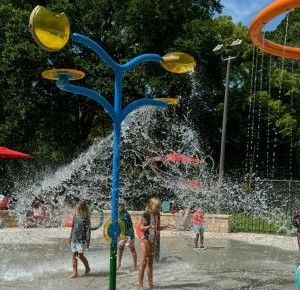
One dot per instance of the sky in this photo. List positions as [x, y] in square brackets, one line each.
[244, 10]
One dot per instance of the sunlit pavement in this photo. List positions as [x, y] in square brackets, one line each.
[40, 259]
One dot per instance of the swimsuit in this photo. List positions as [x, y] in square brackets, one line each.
[80, 233]
[198, 222]
[150, 234]
[125, 217]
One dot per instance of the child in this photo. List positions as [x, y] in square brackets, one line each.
[38, 214]
[296, 224]
[198, 227]
[129, 233]
[149, 227]
[80, 237]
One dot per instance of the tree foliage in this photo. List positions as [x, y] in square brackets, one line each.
[54, 126]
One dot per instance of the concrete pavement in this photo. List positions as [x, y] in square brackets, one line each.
[40, 259]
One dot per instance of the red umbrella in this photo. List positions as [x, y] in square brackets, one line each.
[178, 158]
[188, 183]
[4, 202]
[194, 184]
[6, 153]
[181, 158]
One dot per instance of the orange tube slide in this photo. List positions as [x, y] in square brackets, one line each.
[262, 18]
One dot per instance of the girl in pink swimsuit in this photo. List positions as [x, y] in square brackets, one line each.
[198, 227]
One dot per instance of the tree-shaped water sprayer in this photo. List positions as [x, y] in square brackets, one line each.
[52, 32]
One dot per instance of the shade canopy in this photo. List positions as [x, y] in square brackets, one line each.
[6, 153]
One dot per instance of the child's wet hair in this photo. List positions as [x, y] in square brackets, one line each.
[153, 202]
[122, 202]
[82, 208]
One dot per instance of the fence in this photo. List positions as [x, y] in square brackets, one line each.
[241, 222]
[282, 194]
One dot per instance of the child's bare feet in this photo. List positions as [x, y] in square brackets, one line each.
[74, 275]
[140, 288]
[87, 271]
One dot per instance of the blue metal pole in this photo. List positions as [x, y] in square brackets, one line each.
[114, 207]
[115, 180]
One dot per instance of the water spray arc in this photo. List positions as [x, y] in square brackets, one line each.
[274, 49]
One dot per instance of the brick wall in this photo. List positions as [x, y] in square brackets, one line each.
[215, 223]
[7, 220]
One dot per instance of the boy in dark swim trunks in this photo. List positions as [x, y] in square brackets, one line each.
[129, 233]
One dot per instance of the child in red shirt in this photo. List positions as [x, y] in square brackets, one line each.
[198, 227]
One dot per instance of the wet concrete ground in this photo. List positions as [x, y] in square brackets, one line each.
[41, 260]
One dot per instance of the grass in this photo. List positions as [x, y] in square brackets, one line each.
[248, 223]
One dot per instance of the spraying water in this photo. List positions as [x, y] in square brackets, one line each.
[148, 137]
[146, 134]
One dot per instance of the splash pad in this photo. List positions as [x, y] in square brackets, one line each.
[176, 242]
[38, 259]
